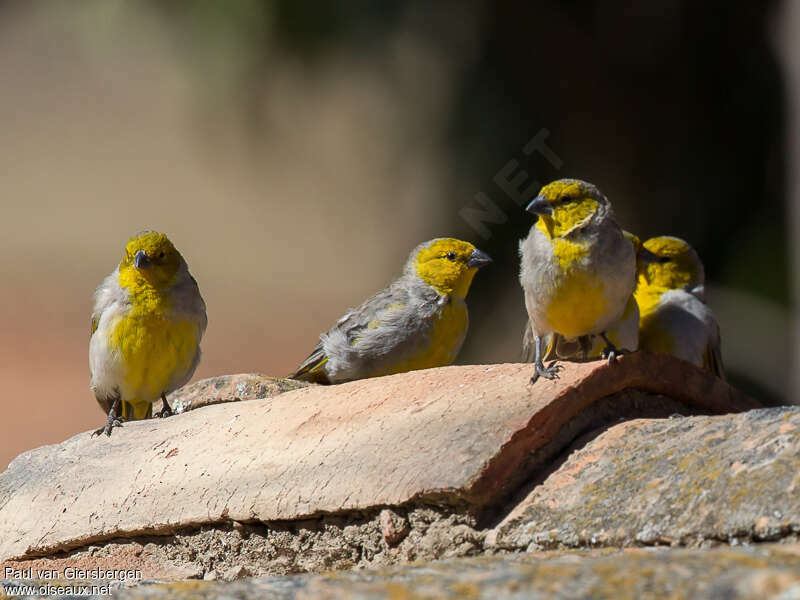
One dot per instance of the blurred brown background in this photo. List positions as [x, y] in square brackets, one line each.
[296, 152]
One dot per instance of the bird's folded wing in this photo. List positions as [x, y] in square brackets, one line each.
[352, 324]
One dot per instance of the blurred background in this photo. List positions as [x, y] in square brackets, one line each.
[296, 152]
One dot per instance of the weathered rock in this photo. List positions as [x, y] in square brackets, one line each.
[230, 388]
[315, 545]
[461, 437]
[721, 573]
[393, 526]
[233, 573]
[677, 481]
[763, 572]
[618, 483]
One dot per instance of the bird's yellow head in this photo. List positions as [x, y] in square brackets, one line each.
[150, 260]
[447, 264]
[670, 263]
[566, 205]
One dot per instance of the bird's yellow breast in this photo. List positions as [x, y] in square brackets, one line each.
[579, 299]
[153, 348]
[577, 306]
[446, 337]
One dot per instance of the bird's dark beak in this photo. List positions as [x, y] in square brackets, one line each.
[478, 259]
[141, 260]
[539, 206]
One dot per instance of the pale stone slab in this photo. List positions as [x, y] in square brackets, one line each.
[460, 436]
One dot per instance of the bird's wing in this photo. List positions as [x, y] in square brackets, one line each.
[372, 313]
[188, 303]
[352, 325]
[106, 294]
[98, 309]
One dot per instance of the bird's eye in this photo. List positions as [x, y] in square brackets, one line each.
[450, 256]
[160, 255]
[664, 259]
[564, 199]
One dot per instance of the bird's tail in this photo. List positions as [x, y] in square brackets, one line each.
[529, 345]
[136, 410]
[312, 368]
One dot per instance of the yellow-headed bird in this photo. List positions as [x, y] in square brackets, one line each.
[418, 322]
[147, 323]
[670, 293]
[577, 269]
[623, 335]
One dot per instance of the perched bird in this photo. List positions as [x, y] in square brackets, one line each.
[577, 269]
[671, 296]
[418, 322]
[147, 323]
[624, 334]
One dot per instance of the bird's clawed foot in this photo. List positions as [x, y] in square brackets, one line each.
[108, 427]
[166, 411]
[611, 352]
[113, 420]
[548, 372]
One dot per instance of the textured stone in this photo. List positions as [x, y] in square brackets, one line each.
[310, 545]
[233, 573]
[230, 388]
[463, 437]
[752, 573]
[678, 481]
[767, 571]
[393, 526]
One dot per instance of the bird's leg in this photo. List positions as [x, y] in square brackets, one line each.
[166, 411]
[550, 372]
[112, 420]
[611, 352]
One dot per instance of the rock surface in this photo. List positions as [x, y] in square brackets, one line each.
[763, 572]
[713, 483]
[461, 438]
[729, 573]
[734, 478]
[230, 388]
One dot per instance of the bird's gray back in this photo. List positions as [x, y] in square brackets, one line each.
[387, 328]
